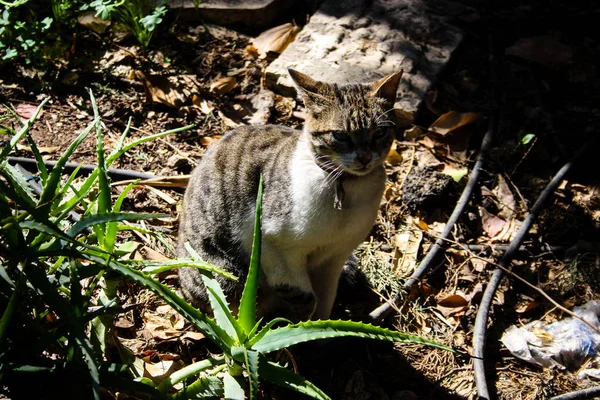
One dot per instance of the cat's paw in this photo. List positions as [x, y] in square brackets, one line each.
[300, 305]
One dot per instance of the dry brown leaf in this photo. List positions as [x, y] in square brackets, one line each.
[223, 85]
[160, 328]
[394, 158]
[151, 254]
[526, 305]
[160, 89]
[42, 149]
[491, 224]
[544, 50]
[208, 140]
[453, 120]
[407, 245]
[252, 51]
[403, 119]
[193, 335]
[478, 264]
[453, 301]
[205, 107]
[160, 370]
[276, 39]
[421, 224]
[505, 200]
[413, 134]
[452, 311]
[26, 111]
[93, 22]
[230, 123]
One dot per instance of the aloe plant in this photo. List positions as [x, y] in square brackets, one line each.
[245, 343]
[44, 257]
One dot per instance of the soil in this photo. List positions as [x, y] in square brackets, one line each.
[551, 90]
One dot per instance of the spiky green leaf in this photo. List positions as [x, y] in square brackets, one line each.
[50, 188]
[312, 330]
[96, 219]
[24, 129]
[247, 311]
[233, 389]
[221, 311]
[187, 371]
[280, 376]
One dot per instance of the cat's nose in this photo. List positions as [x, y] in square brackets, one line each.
[364, 156]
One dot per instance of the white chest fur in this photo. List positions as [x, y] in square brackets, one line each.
[314, 222]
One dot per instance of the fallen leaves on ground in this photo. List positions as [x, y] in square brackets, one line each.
[544, 50]
[453, 120]
[26, 110]
[172, 91]
[274, 40]
[223, 85]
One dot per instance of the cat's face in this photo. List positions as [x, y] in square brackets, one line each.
[350, 126]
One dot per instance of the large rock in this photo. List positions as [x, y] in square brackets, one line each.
[252, 15]
[362, 40]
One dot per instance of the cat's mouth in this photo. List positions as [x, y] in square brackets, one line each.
[359, 170]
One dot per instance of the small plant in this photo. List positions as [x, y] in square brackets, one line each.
[22, 32]
[141, 17]
[51, 267]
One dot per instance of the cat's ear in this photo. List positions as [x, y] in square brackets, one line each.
[387, 87]
[308, 85]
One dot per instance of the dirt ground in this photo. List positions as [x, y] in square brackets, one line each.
[544, 79]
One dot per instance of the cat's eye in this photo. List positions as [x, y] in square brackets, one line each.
[381, 132]
[341, 136]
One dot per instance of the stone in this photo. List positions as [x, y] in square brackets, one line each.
[363, 40]
[426, 189]
[254, 15]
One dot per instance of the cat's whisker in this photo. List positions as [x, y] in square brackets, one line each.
[377, 118]
[333, 176]
[386, 122]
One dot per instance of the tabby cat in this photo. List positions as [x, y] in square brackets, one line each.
[322, 189]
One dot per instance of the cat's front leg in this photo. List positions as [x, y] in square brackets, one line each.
[325, 278]
[289, 291]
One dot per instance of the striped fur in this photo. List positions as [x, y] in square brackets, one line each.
[306, 241]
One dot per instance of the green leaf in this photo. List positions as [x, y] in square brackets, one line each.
[280, 376]
[252, 369]
[312, 330]
[256, 338]
[41, 166]
[96, 219]
[206, 387]
[18, 183]
[118, 152]
[247, 311]
[525, 138]
[220, 307]
[37, 277]
[186, 372]
[233, 389]
[111, 227]
[24, 129]
[204, 324]
[156, 267]
[50, 188]
[51, 230]
[104, 198]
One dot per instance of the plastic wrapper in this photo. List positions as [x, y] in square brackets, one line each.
[567, 343]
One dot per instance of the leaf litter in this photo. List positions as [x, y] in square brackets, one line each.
[401, 236]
